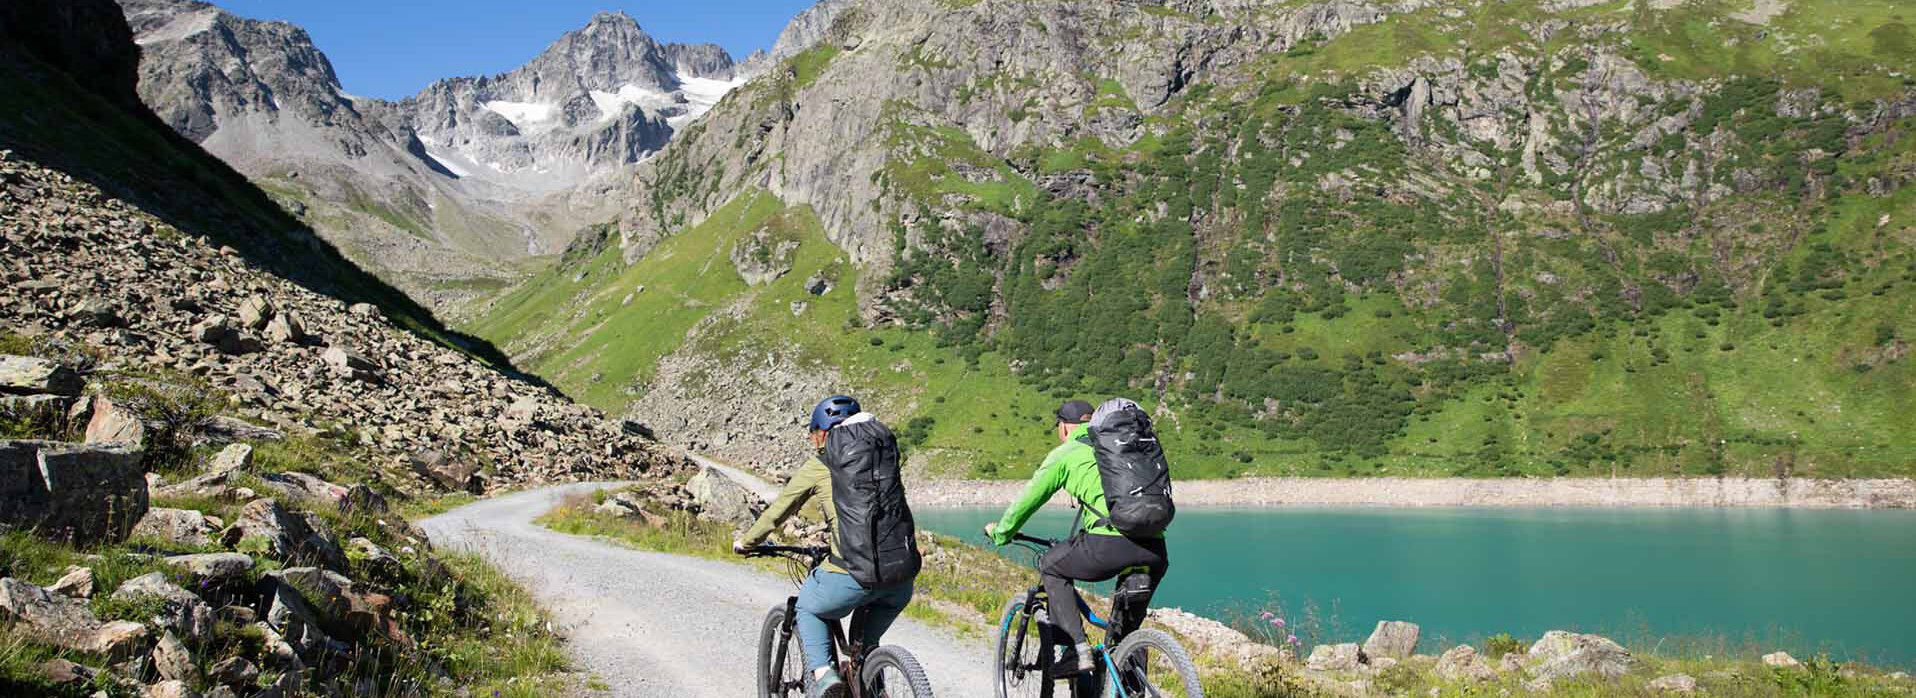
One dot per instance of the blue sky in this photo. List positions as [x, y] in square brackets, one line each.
[394, 48]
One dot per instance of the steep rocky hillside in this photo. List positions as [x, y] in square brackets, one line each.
[121, 238]
[444, 193]
[1437, 237]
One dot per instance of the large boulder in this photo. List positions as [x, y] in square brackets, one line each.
[172, 660]
[26, 375]
[84, 493]
[1342, 657]
[450, 473]
[114, 423]
[1463, 663]
[343, 608]
[1394, 639]
[1560, 655]
[1674, 683]
[67, 623]
[178, 526]
[233, 459]
[721, 499]
[211, 566]
[181, 610]
[284, 534]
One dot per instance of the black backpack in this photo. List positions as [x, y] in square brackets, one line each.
[876, 535]
[1136, 478]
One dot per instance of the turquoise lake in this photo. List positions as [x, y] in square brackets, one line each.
[1842, 582]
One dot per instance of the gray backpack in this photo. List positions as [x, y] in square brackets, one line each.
[1136, 478]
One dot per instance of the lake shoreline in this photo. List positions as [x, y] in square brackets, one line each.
[1602, 493]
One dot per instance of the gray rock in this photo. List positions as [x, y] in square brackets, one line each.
[1560, 655]
[449, 473]
[172, 660]
[178, 526]
[226, 430]
[1394, 639]
[61, 672]
[1342, 657]
[284, 535]
[233, 459]
[84, 493]
[303, 486]
[169, 689]
[1463, 663]
[77, 583]
[212, 330]
[343, 608]
[1674, 683]
[113, 423]
[761, 258]
[364, 310]
[286, 327]
[26, 375]
[233, 671]
[721, 499]
[67, 623]
[255, 312]
[212, 566]
[239, 343]
[378, 558]
[1781, 660]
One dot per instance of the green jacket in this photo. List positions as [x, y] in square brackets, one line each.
[1071, 466]
[811, 481]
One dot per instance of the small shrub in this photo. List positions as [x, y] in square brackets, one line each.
[1496, 646]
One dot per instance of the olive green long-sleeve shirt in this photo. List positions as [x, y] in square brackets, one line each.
[811, 481]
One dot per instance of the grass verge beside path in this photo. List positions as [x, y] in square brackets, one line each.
[964, 587]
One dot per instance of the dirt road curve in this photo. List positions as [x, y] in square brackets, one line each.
[651, 624]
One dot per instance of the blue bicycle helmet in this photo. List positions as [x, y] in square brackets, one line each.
[833, 410]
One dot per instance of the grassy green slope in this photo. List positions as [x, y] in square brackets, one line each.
[1760, 335]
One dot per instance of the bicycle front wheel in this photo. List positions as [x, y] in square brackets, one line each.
[781, 673]
[1152, 663]
[1021, 657]
[891, 672]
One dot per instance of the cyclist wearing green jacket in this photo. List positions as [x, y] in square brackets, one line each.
[1095, 553]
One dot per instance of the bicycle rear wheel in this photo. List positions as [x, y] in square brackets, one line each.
[891, 672]
[1021, 657]
[1152, 664]
[781, 671]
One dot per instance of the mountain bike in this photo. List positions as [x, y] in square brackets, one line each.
[882, 672]
[1147, 663]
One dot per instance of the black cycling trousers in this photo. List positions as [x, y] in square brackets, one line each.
[1091, 557]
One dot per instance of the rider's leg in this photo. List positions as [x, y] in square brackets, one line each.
[825, 597]
[882, 607]
[1151, 554]
[1062, 564]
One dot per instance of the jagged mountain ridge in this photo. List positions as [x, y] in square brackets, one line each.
[444, 191]
[1433, 236]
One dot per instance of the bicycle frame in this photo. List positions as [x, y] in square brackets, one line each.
[848, 656]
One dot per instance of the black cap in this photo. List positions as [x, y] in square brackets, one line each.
[1075, 412]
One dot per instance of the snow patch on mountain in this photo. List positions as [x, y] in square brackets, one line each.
[611, 104]
[522, 114]
[701, 94]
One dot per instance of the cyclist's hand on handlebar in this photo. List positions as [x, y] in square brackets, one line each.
[739, 547]
[991, 532]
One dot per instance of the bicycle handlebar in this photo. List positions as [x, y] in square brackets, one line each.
[1046, 542]
[812, 551]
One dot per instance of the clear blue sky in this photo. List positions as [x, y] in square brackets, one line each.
[394, 48]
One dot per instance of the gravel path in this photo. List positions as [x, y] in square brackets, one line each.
[651, 624]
